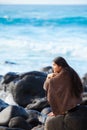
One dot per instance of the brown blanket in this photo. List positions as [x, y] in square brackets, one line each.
[59, 93]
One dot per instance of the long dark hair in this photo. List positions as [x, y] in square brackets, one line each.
[77, 87]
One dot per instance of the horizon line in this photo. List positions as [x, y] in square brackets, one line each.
[42, 4]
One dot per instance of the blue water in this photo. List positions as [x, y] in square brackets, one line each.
[32, 35]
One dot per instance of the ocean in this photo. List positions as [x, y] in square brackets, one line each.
[31, 36]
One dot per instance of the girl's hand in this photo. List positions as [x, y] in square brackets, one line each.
[51, 75]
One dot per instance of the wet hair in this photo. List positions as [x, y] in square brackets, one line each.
[77, 87]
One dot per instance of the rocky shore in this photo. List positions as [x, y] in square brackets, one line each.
[23, 104]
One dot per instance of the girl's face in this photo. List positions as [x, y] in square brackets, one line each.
[56, 68]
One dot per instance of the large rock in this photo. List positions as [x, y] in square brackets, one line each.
[27, 89]
[46, 110]
[34, 73]
[39, 127]
[38, 104]
[47, 69]
[19, 122]
[76, 119]
[7, 128]
[35, 116]
[7, 78]
[10, 112]
[10, 76]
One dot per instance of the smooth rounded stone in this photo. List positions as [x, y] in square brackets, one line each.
[19, 122]
[47, 69]
[34, 122]
[39, 127]
[10, 112]
[3, 105]
[26, 90]
[46, 110]
[7, 128]
[10, 76]
[34, 115]
[76, 119]
[38, 104]
[33, 73]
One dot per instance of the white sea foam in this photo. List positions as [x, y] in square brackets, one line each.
[26, 53]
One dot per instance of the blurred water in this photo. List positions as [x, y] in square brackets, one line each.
[32, 35]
